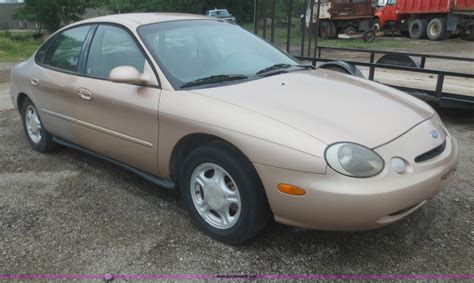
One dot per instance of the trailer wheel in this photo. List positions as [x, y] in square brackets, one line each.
[417, 29]
[375, 24]
[342, 67]
[437, 29]
[369, 35]
[350, 31]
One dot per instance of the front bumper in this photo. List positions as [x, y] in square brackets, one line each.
[336, 202]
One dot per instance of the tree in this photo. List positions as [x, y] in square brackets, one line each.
[53, 14]
[242, 9]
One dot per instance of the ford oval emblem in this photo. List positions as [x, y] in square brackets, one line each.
[435, 134]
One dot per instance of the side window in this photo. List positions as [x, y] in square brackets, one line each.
[41, 54]
[65, 50]
[113, 47]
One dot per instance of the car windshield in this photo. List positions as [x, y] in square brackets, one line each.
[195, 49]
[219, 13]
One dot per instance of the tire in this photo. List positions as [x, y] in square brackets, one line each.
[338, 69]
[325, 30]
[417, 29]
[350, 31]
[39, 139]
[369, 35]
[248, 212]
[436, 29]
[375, 25]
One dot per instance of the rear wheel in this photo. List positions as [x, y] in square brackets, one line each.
[223, 193]
[325, 30]
[436, 29]
[417, 29]
[36, 134]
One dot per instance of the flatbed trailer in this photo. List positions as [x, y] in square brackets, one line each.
[438, 96]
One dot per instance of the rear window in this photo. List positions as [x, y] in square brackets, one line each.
[65, 50]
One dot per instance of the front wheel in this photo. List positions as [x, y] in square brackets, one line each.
[40, 140]
[223, 193]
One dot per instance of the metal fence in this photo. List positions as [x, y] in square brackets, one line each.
[309, 50]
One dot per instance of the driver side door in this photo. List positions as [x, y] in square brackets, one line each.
[118, 120]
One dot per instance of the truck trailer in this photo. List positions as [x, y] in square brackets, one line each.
[340, 16]
[433, 19]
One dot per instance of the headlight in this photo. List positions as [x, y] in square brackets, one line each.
[437, 120]
[354, 160]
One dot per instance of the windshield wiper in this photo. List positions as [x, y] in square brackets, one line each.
[214, 80]
[280, 68]
[273, 68]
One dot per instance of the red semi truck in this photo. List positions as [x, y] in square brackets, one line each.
[435, 19]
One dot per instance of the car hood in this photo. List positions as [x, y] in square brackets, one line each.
[329, 106]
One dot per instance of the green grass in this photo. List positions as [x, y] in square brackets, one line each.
[281, 35]
[17, 46]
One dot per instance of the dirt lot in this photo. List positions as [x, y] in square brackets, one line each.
[67, 212]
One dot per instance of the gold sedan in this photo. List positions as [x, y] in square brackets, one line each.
[246, 132]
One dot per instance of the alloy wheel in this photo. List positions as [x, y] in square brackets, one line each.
[215, 195]
[33, 124]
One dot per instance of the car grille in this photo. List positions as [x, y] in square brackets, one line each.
[432, 153]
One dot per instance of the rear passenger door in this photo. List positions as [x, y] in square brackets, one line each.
[54, 81]
[118, 120]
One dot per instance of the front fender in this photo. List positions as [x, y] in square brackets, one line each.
[262, 139]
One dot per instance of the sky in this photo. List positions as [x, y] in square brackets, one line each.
[11, 1]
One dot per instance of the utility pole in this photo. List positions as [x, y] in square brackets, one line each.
[311, 26]
[116, 4]
[317, 29]
[273, 20]
[255, 22]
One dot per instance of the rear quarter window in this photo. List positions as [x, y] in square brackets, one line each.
[64, 52]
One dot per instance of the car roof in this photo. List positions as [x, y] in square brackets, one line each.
[137, 19]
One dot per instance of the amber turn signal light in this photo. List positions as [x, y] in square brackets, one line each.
[291, 190]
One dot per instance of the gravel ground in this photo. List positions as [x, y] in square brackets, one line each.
[67, 212]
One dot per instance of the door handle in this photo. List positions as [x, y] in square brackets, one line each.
[85, 94]
[34, 81]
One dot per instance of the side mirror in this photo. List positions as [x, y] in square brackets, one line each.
[129, 75]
